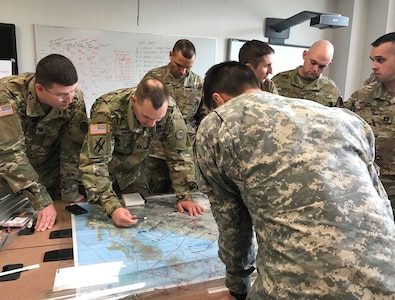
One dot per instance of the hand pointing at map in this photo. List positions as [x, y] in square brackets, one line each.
[123, 218]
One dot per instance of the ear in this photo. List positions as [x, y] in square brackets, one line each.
[250, 66]
[170, 54]
[133, 100]
[305, 53]
[218, 99]
[39, 87]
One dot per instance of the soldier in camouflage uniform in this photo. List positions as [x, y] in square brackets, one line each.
[124, 126]
[322, 219]
[257, 55]
[43, 124]
[307, 81]
[376, 104]
[186, 89]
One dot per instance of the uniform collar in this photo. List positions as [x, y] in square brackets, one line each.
[173, 78]
[380, 92]
[298, 81]
[133, 124]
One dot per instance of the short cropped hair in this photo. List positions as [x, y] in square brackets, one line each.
[230, 77]
[154, 90]
[389, 37]
[186, 47]
[253, 51]
[56, 68]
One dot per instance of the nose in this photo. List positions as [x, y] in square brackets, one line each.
[316, 68]
[150, 123]
[67, 99]
[183, 71]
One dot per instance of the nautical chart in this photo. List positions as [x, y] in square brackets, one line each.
[167, 249]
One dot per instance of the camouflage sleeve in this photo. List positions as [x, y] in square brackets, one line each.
[149, 74]
[350, 103]
[179, 155]
[269, 86]
[96, 153]
[202, 111]
[72, 137]
[15, 167]
[234, 223]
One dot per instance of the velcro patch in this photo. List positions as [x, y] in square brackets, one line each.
[97, 129]
[180, 134]
[6, 110]
[83, 127]
[99, 145]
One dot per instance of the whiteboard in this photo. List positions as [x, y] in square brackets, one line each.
[286, 57]
[5, 68]
[108, 60]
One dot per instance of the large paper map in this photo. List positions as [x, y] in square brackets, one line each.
[167, 249]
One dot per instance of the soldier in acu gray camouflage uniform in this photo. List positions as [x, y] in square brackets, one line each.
[43, 124]
[307, 81]
[376, 104]
[302, 175]
[186, 89]
[124, 126]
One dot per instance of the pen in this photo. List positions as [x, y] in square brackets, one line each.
[139, 218]
[19, 270]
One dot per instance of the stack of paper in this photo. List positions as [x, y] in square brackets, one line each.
[133, 199]
[18, 219]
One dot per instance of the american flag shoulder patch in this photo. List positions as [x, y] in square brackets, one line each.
[6, 110]
[98, 129]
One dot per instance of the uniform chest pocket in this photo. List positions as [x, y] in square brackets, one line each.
[127, 142]
[123, 140]
[42, 134]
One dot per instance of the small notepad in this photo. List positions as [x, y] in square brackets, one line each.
[133, 199]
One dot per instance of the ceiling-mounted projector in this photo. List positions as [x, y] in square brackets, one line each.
[277, 30]
[329, 21]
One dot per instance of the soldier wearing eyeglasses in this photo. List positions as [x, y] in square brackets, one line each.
[43, 124]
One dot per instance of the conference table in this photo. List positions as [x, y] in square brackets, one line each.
[38, 283]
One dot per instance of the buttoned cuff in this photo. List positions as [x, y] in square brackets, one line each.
[38, 196]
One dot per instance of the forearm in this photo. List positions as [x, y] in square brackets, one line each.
[97, 183]
[235, 243]
[22, 177]
[182, 173]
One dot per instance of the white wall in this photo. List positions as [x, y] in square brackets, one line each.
[221, 19]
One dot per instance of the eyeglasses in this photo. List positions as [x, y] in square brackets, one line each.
[62, 96]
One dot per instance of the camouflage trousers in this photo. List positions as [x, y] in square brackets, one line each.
[159, 176]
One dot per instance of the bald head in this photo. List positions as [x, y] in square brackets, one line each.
[323, 49]
[316, 59]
